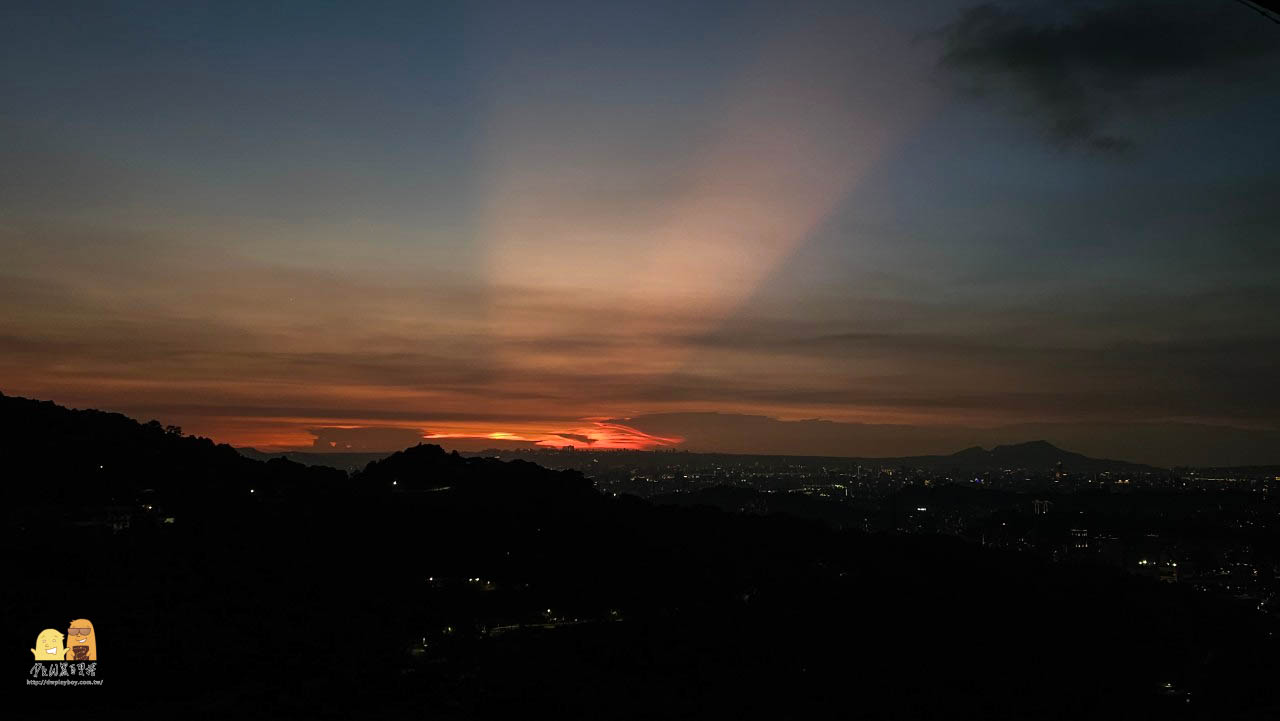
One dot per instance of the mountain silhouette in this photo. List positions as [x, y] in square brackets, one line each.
[91, 456]
[1037, 455]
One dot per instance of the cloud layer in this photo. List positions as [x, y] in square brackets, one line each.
[1085, 71]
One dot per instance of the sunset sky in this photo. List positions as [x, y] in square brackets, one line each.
[303, 224]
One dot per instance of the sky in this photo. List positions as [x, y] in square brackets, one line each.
[618, 225]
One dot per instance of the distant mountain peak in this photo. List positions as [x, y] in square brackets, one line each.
[1037, 446]
[1030, 454]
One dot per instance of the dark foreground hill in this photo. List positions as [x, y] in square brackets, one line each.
[433, 586]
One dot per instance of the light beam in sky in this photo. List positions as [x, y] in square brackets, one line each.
[803, 121]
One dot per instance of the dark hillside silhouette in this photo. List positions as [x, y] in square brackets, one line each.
[433, 585]
[58, 455]
[427, 467]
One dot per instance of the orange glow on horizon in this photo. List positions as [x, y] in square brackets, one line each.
[597, 435]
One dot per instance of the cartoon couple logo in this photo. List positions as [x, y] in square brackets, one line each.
[82, 643]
